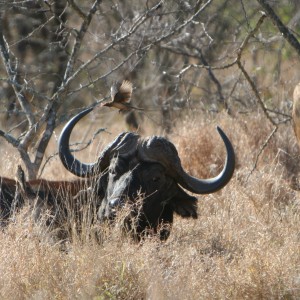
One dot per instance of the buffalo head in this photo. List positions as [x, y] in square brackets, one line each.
[149, 169]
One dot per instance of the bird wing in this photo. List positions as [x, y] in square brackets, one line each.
[121, 92]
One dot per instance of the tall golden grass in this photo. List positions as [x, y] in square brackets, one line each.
[245, 243]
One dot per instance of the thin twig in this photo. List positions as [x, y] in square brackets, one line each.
[254, 89]
[25, 87]
[12, 72]
[263, 146]
[78, 41]
[9, 138]
[241, 67]
[49, 114]
[87, 144]
[196, 66]
[282, 28]
[77, 9]
[139, 21]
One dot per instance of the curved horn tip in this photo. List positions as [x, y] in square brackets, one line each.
[222, 133]
[66, 157]
[219, 129]
[211, 185]
[84, 112]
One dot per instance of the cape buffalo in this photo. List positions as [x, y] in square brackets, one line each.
[149, 169]
[39, 194]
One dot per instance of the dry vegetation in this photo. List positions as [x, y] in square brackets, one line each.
[244, 245]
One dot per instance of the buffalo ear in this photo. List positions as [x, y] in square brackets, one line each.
[184, 204]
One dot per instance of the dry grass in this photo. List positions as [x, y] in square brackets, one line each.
[244, 245]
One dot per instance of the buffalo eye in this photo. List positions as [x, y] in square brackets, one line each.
[117, 167]
[156, 178]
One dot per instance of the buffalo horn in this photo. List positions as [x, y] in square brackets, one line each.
[158, 149]
[125, 144]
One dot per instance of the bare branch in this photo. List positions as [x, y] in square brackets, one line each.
[123, 62]
[85, 145]
[263, 146]
[11, 70]
[187, 22]
[80, 35]
[77, 9]
[44, 140]
[165, 39]
[248, 78]
[215, 80]
[196, 66]
[49, 114]
[253, 87]
[139, 21]
[25, 87]
[9, 138]
[250, 34]
[282, 28]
